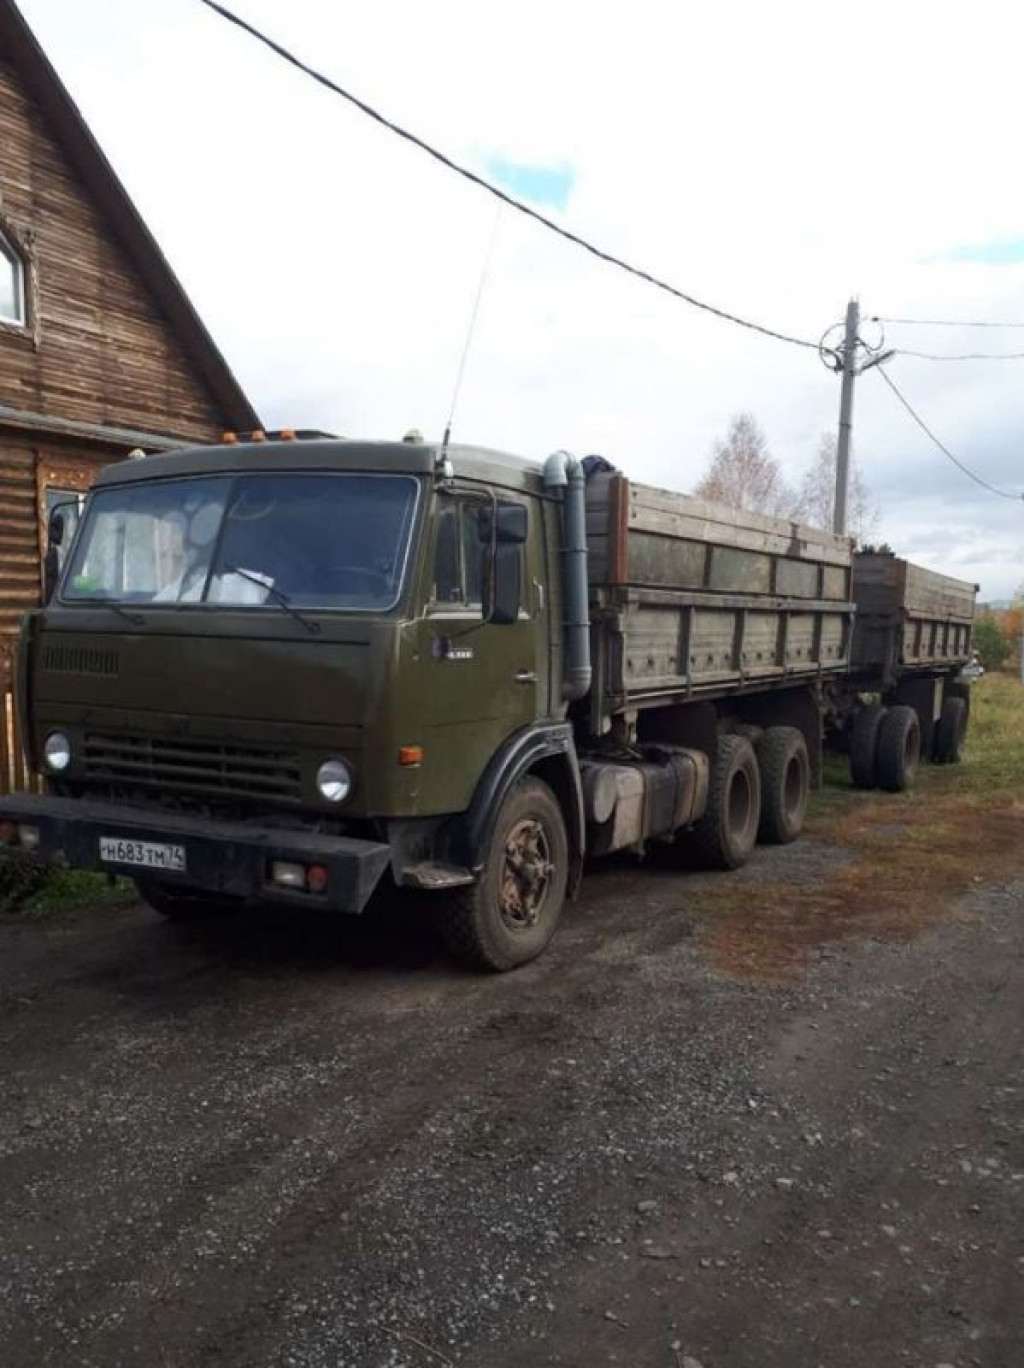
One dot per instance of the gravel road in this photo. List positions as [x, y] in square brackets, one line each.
[279, 1143]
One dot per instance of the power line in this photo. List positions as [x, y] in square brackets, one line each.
[1003, 494]
[942, 323]
[494, 190]
[964, 356]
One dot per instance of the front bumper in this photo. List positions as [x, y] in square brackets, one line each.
[228, 859]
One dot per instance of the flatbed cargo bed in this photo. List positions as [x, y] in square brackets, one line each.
[691, 598]
[909, 619]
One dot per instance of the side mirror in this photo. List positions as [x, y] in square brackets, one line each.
[504, 537]
[51, 561]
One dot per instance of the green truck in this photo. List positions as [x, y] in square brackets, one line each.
[284, 671]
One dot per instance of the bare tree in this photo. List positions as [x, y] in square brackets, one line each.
[744, 474]
[816, 498]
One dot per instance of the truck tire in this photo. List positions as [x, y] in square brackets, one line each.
[864, 745]
[179, 904]
[785, 784]
[899, 749]
[726, 834]
[950, 732]
[510, 914]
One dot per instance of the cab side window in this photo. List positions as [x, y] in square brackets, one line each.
[458, 555]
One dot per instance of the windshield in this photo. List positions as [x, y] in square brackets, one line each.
[315, 541]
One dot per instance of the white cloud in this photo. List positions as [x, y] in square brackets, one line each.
[762, 157]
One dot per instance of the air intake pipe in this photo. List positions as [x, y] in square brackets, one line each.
[564, 472]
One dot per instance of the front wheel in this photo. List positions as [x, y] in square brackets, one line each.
[510, 914]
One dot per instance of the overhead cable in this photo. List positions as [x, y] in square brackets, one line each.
[1003, 493]
[962, 356]
[943, 323]
[495, 190]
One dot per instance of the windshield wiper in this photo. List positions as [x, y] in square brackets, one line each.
[277, 595]
[136, 619]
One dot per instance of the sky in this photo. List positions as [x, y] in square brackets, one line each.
[775, 160]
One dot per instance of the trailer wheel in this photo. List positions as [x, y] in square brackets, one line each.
[949, 734]
[899, 749]
[179, 904]
[864, 745]
[785, 784]
[510, 914]
[724, 837]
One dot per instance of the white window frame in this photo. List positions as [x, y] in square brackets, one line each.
[9, 252]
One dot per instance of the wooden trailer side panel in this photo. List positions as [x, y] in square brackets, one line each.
[693, 598]
[909, 618]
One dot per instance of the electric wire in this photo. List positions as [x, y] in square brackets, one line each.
[1003, 493]
[962, 356]
[482, 183]
[943, 323]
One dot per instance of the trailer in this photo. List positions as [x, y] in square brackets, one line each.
[912, 640]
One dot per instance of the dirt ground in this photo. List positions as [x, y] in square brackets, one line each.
[771, 1120]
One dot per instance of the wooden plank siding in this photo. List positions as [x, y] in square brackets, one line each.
[111, 350]
[97, 347]
[19, 537]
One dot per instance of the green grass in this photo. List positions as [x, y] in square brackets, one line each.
[41, 892]
[993, 763]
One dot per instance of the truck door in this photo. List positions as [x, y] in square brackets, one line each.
[481, 681]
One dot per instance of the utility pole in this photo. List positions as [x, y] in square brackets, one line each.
[846, 362]
[846, 418]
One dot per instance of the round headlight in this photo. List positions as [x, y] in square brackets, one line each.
[334, 780]
[57, 751]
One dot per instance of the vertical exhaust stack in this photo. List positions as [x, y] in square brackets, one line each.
[564, 472]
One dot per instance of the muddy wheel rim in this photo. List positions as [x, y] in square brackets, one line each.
[525, 875]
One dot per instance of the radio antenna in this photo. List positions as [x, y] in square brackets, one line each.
[471, 330]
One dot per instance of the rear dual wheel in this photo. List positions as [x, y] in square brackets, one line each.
[885, 747]
[785, 784]
[951, 730]
[725, 835]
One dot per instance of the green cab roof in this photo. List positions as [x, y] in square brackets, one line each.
[327, 454]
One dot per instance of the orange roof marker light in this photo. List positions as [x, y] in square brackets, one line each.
[410, 755]
[287, 434]
[229, 438]
[257, 435]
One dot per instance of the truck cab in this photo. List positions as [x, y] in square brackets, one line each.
[276, 670]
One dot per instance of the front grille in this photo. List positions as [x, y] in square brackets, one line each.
[192, 766]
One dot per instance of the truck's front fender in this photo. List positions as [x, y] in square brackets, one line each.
[547, 750]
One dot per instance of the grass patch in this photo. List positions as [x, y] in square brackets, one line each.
[907, 861]
[34, 891]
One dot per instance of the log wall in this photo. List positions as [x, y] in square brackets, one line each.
[97, 348]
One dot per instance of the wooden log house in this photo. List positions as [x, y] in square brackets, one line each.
[101, 351]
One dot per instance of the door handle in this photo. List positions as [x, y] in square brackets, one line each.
[526, 676]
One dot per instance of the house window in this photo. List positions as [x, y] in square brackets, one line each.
[12, 284]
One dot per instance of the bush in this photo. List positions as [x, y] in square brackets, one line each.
[991, 643]
[19, 881]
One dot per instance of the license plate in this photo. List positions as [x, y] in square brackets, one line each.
[147, 854]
